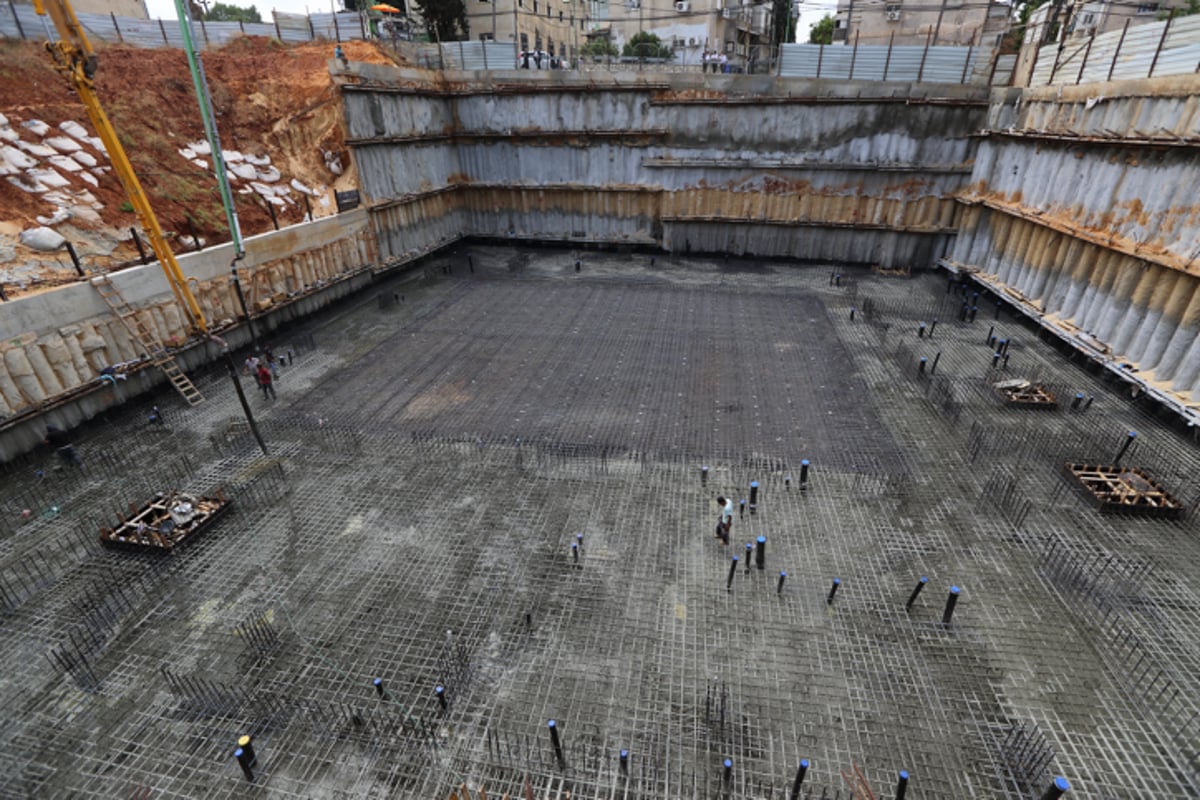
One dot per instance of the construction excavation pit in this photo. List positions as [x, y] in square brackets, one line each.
[478, 554]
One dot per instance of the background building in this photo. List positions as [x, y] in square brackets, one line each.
[741, 30]
[951, 22]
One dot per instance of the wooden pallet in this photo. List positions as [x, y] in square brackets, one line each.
[1023, 394]
[1123, 490]
[165, 522]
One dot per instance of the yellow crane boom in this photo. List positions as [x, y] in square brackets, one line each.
[74, 57]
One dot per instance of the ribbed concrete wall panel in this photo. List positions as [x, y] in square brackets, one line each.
[1146, 198]
[387, 172]
[526, 163]
[372, 115]
[1147, 314]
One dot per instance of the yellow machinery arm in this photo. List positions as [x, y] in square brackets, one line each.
[74, 57]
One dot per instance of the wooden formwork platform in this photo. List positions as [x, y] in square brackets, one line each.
[1023, 394]
[165, 522]
[1123, 490]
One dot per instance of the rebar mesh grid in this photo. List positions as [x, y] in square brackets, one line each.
[494, 486]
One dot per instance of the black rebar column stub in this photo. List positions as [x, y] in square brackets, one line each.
[832, 591]
[800, 771]
[912, 598]
[553, 726]
[1057, 789]
[951, 602]
[244, 763]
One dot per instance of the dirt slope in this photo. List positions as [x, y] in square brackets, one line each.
[272, 101]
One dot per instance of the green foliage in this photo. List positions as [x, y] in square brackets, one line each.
[127, 207]
[822, 32]
[783, 25]
[1192, 7]
[1011, 43]
[599, 47]
[356, 5]
[224, 12]
[446, 20]
[646, 45]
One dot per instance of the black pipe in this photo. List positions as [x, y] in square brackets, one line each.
[921, 365]
[782, 578]
[378, 682]
[974, 311]
[933, 366]
[440, 691]
[902, 785]
[933, 327]
[247, 748]
[237, 385]
[624, 761]
[912, 598]
[753, 496]
[703, 476]
[760, 554]
[921, 331]
[728, 764]
[1057, 789]
[577, 265]
[852, 313]
[804, 474]
[832, 591]
[1078, 399]
[1128, 441]
[553, 726]
[237, 287]
[951, 602]
[803, 768]
[74, 258]
[995, 359]
[732, 571]
[991, 331]
[742, 508]
[749, 554]
[244, 763]
[137, 240]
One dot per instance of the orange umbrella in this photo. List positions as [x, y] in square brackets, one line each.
[385, 8]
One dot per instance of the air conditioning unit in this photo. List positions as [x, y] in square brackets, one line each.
[692, 41]
[893, 16]
[683, 6]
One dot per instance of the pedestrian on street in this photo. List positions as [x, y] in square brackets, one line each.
[725, 521]
[264, 381]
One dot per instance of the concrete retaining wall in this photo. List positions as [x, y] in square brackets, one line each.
[1083, 207]
[848, 171]
[53, 345]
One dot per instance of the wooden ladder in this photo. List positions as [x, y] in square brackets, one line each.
[158, 354]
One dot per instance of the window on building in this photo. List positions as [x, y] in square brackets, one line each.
[487, 37]
[524, 42]
[535, 7]
[892, 8]
[549, 45]
[1148, 8]
[560, 16]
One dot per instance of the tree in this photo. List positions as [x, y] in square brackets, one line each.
[1193, 7]
[445, 20]
[822, 32]
[646, 45]
[783, 24]
[599, 46]
[224, 12]
[1012, 41]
